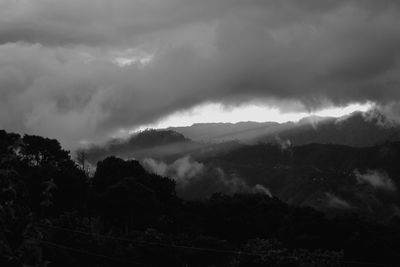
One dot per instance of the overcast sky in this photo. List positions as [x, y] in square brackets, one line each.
[82, 70]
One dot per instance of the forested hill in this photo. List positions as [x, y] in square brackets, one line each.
[332, 178]
[167, 145]
[359, 129]
[162, 143]
[53, 214]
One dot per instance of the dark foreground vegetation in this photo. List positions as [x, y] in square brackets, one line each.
[53, 214]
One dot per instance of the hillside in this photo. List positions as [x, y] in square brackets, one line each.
[357, 129]
[155, 143]
[53, 213]
[332, 178]
[167, 145]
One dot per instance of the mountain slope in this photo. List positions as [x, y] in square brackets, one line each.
[328, 177]
[216, 132]
[167, 145]
[149, 142]
[357, 129]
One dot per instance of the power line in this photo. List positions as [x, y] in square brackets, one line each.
[234, 252]
[154, 243]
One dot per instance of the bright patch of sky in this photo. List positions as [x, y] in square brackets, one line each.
[132, 56]
[123, 61]
[215, 112]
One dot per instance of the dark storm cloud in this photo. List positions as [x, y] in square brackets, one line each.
[80, 70]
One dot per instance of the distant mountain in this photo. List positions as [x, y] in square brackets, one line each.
[344, 172]
[357, 129]
[149, 142]
[167, 145]
[217, 132]
[208, 139]
[332, 178]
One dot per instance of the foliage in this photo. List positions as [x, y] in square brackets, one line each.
[50, 214]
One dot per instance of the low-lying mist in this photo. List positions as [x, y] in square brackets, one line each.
[197, 180]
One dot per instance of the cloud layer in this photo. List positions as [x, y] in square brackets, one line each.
[81, 70]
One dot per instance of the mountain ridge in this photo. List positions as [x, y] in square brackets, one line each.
[356, 129]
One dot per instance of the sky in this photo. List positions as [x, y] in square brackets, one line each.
[216, 113]
[85, 70]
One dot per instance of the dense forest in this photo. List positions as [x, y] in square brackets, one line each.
[54, 213]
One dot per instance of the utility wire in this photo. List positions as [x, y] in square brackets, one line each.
[235, 252]
[154, 243]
